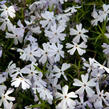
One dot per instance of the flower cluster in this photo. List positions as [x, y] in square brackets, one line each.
[52, 57]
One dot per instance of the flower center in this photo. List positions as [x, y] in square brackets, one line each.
[76, 46]
[79, 32]
[84, 85]
[31, 72]
[65, 96]
[99, 95]
[30, 53]
[55, 33]
[3, 96]
[46, 53]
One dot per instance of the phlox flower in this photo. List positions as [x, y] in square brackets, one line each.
[30, 53]
[17, 34]
[38, 81]
[85, 85]
[79, 32]
[59, 72]
[88, 65]
[104, 13]
[66, 99]
[45, 94]
[6, 99]
[96, 17]
[46, 53]
[25, 83]
[49, 19]
[97, 74]
[7, 11]
[99, 66]
[63, 19]
[99, 98]
[55, 34]
[58, 52]
[53, 83]
[79, 47]
[101, 15]
[6, 23]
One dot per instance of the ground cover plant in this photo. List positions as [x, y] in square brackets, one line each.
[54, 54]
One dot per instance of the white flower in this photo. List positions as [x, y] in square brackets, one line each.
[61, 71]
[30, 53]
[54, 82]
[89, 65]
[6, 99]
[25, 83]
[99, 66]
[45, 94]
[6, 23]
[79, 47]
[96, 17]
[97, 74]
[66, 99]
[38, 81]
[17, 34]
[104, 13]
[100, 15]
[99, 98]
[46, 53]
[80, 32]
[63, 19]
[31, 70]
[85, 85]
[7, 11]
[49, 19]
[57, 48]
[55, 34]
